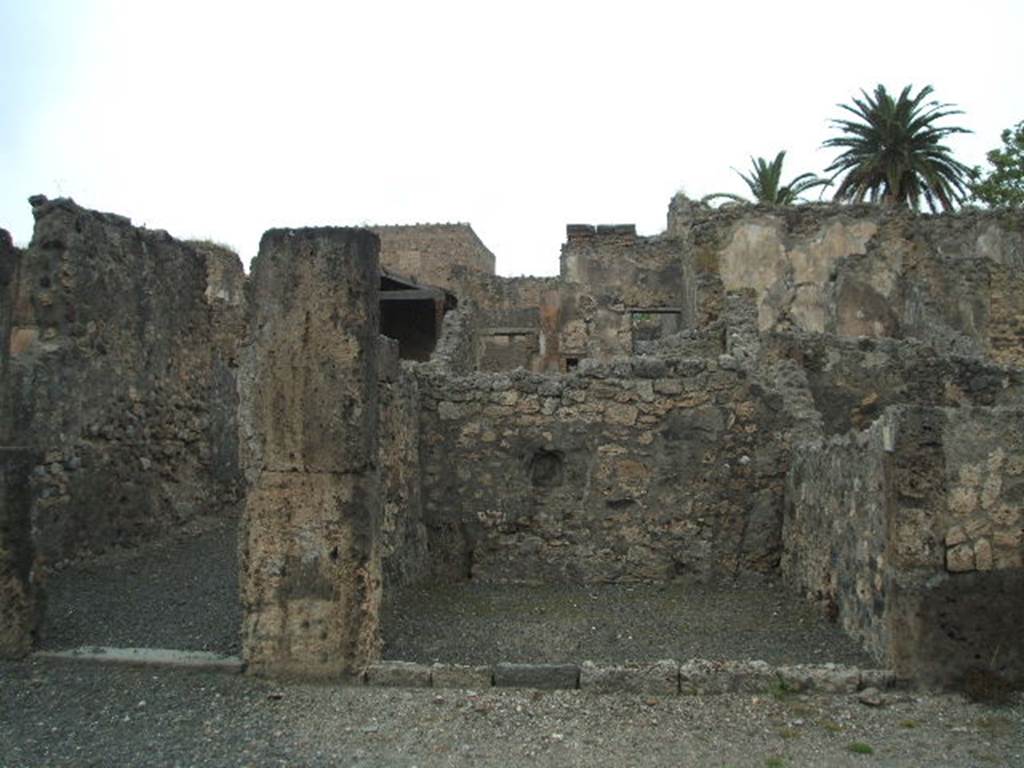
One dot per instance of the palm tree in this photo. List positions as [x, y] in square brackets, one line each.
[893, 152]
[764, 184]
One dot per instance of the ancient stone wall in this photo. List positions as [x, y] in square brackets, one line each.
[456, 349]
[403, 533]
[620, 288]
[617, 292]
[19, 598]
[853, 380]
[10, 258]
[121, 380]
[953, 281]
[835, 531]
[517, 322]
[310, 546]
[637, 469]
[912, 534]
[431, 253]
[535, 445]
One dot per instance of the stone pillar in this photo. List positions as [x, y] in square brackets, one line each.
[310, 549]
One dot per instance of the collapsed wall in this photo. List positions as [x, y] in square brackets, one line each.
[852, 381]
[953, 281]
[120, 379]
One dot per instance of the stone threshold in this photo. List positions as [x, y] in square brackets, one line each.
[698, 677]
[149, 657]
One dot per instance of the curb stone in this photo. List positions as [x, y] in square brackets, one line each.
[398, 674]
[827, 678]
[541, 676]
[696, 677]
[461, 676]
[148, 657]
[660, 677]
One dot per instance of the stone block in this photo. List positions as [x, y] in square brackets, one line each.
[960, 558]
[649, 368]
[877, 678]
[661, 677]
[820, 678]
[955, 536]
[311, 364]
[461, 676]
[983, 554]
[398, 674]
[310, 574]
[751, 676]
[699, 677]
[542, 676]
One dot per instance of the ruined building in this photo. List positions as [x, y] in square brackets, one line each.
[830, 395]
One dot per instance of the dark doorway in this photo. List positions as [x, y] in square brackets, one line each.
[412, 314]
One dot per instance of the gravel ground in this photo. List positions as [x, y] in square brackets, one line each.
[182, 592]
[477, 623]
[56, 713]
[178, 592]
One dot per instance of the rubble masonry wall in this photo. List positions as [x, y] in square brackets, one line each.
[911, 534]
[638, 469]
[120, 380]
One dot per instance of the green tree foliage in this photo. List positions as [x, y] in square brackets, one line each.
[764, 183]
[892, 152]
[1003, 185]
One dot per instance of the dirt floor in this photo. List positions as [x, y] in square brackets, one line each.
[178, 592]
[477, 623]
[182, 593]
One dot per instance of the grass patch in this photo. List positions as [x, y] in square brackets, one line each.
[908, 724]
[789, 733]
[774, 762]
[860, 748]
[781, 690]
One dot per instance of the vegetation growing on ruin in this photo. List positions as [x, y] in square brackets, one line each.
[765, 184]
[892, 151]
[1003, 184]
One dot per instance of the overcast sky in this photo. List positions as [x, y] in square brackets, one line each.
[221, 120]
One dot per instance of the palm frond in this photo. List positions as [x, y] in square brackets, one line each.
[764, 180]
[893, 152]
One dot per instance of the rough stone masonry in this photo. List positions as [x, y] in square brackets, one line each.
[830, 395]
